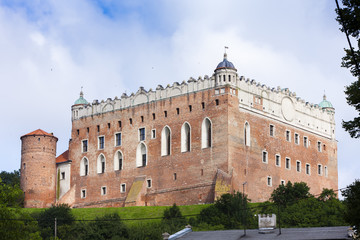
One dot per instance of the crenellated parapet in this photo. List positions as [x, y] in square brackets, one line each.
[275, 103]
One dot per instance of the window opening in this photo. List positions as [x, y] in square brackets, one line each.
[148, 183]
[119, 123]
[217, 102]
[101, 142]
[85, 146]
[177, 111]
[165, 113]
[272, 130]
[117, 139]
[287, 163]
[142, 118]
[142, 134]
[203, 105]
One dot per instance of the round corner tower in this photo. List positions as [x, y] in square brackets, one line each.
[38, 169]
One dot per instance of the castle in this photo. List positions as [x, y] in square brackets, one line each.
[187, 143]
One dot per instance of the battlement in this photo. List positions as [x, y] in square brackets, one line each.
[277, 103]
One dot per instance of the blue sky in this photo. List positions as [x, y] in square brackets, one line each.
[49, 49]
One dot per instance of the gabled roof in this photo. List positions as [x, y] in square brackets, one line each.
[39, 132]
[64, 157]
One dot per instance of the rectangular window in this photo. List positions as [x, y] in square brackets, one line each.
[130, 120]
[119, 123]
[203, 105]
[217, 102]
[287, 163]
[282, 182]
[98, 128]
[103, 190]
[319, 146]
[84, 146]
[319, 169]
[117, 139]
[305, 142]
[78, 132]
[296, 138]
[326, 171]
[83, 193]
[62, 175]
[123, 188]
[148, 183]
[277, 160]
[190, 108]
[307, 169]
[165, 113]
[109, 125]
[217, 91]
[174, 176]
[142, 134]
[142, 118]
[298, 166]
[272, 129]
[101, 142]
[177, 111]
[153, 116]
[288, 138]
[153, 133]
[88, 130]
[269, 181]
[264, 157]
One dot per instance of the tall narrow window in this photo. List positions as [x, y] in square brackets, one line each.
[119, 123]
[118, 161]
[177, 111]
[101, 163]
[287, 163]
[307, 169]
[142, 118]
[298, 166]
[142, 134]
[203, 105]
[84, 145]
[319, 146]
[153, 116]
[84, 167]
[264, 156]
[101, 142]
[206, 131]
[277, 160]
[287, 135]
[305, 142]
[247, 134]
[117, 139]
[272, 130]
[269, 181]
[185, 137]
[165, 141]
[296, 138]
[319, 169]
[190, 108]
[141, 155]
[326, 171]
[165, 113]
[123, 188]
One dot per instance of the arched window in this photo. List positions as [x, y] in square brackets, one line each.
[165, 141]
[118, 161]
[247, 134]
[185, 137]
[101, 163]
[206, 133]
[141, 155]
[84, 167]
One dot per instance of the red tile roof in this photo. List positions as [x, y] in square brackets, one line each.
[39, 132]
[63, 157]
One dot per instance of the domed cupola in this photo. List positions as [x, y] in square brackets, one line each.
[325, 104]
[225, 73]
[81, 100]
[79, 106]
[225, 64]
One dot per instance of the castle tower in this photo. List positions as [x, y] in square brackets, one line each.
[38, 169]
[225, 73]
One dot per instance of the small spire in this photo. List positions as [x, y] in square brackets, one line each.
[81, 92]
[225, 54]
[324, 97]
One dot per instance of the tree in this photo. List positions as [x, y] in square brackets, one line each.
[108, 226]
[349, 19]
[173, 220]
[352, 203]
[46, 219]
[290, 193]
[10, 178]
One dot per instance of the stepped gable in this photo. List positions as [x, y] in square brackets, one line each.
[64, 157]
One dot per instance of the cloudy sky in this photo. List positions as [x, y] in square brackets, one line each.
[49, 49]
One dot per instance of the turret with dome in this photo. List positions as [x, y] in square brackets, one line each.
[225, 73]
[326, 105]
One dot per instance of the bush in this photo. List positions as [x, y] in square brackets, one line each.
[108, 226]
[173, 220]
